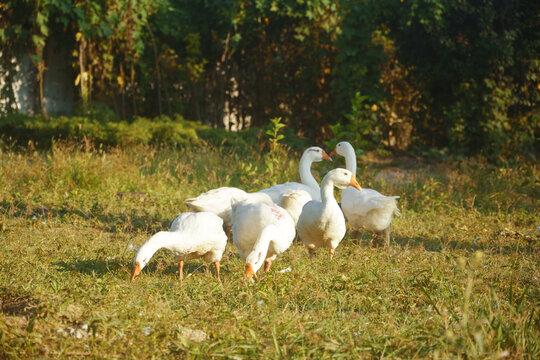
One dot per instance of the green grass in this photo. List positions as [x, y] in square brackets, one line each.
[461, 279]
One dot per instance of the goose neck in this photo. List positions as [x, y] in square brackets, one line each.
[350, 160]
[306, 177]
[327, 192]
[163, 239]
[260, 248]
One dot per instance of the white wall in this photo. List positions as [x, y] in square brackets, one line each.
[59, 91]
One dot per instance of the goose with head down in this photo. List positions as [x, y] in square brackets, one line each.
[260, 232]
[191, 236]
[321, 223]
[367, 209]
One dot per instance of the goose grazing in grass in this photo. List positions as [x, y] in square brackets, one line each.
[367, 209]
[191, 236]
[309, 184]
[261, 232]
[321, 223]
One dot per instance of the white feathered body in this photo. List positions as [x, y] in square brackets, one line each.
[321, 225]
[191, 236]
[293, 201]
[251, 220]
[277, 192]
[217, 201]
[368, 209]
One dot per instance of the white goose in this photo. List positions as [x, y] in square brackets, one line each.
[293, 201]
[191, 236]
[261, 232]
[217, 201]
[309, 184]
[368, 209]
[321, 223]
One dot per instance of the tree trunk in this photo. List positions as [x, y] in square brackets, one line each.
[41, 70]
[82, 80]
[158, 71]
[122, 76]
[133, 92]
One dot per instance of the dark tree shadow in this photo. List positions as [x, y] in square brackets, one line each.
[429, 244]
[91, 266]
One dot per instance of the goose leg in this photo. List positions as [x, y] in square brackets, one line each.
[375, 240]
[355, 237]
[386, 235]
[181, 269]
[331, 253]
[267, 265]
[228, 231]
[311, 251]
[216, 263]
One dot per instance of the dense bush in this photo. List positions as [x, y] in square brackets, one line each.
[43, 130]
[20, 129]
[456, 76]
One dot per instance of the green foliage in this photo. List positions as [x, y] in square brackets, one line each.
[274, 133]
[42, 132]
[274, 156]
[474, 65]
[101, 127]
[362, 129]
[461, 76]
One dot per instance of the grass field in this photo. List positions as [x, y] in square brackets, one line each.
[460, 280]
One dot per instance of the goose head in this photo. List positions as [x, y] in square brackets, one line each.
[342, 148]
[146, 251]
[139, 264]
[316, 154]
[249, 272]
[343, 178]
[257, 256]
[255, 260]
[137, 268]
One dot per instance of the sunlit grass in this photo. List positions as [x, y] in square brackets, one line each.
[461, 279]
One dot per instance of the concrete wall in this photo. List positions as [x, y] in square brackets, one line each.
[58, 87]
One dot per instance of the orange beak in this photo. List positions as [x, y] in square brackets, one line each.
[355, 183]
[249, 271]
[136, 270]
[325, 156]
[334, 152]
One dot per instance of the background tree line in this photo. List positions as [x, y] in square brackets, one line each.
[457, 75]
